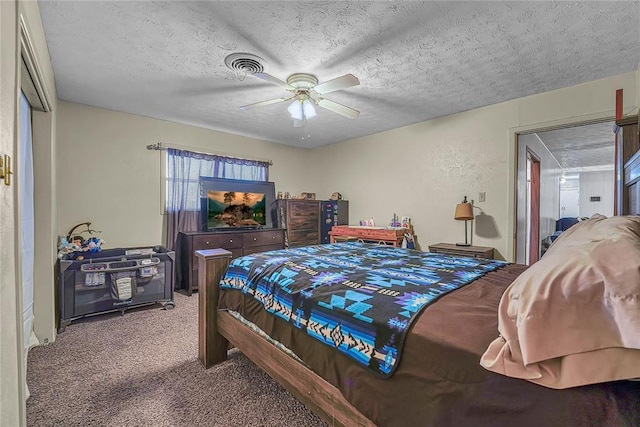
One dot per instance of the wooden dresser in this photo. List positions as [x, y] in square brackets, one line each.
[239, 243]
[301, 220]
[470, 251]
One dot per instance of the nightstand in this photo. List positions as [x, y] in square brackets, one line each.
[470, 251]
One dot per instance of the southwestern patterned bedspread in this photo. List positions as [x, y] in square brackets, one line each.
[359, 298]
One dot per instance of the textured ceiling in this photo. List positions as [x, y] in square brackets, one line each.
[582, 147]
[415, 60]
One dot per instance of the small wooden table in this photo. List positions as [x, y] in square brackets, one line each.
[470, 251]
[383, 235]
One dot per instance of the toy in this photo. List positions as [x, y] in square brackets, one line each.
[93, 244]
[78, 244]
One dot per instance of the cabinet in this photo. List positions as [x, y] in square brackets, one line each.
[469, 251]
[238, 242]
[91, 283]
[301, 220]
[333, 212]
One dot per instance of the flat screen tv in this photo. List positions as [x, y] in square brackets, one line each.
[228, 204]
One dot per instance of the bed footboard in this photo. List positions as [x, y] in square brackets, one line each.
[212, 347]
[217, 328]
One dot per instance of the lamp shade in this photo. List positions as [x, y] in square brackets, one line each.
[464, 212]
[295, 109]
[307, 108]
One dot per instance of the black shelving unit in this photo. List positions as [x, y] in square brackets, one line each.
[91, 283]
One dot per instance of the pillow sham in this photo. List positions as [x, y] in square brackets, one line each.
[573, 318]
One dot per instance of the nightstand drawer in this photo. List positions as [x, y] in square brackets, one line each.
[468, 251]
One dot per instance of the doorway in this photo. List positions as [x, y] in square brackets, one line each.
[576, 180]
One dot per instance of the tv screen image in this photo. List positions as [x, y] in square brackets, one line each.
[227, 204]
[234, 209]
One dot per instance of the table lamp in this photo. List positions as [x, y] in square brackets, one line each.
[464, 212]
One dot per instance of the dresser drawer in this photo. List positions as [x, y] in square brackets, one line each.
[210, 241]
[304, 222]
[230, 242]
[304, 209]
[263, 238]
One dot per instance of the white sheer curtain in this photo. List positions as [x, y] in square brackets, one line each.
[184, 169]
[25, 185]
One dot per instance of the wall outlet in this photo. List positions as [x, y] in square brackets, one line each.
[482, 196]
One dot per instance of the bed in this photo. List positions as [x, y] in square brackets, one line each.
[438, 381]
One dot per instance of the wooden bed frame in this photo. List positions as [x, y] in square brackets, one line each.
[218, 330]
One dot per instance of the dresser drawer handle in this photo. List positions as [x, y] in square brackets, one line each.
[255, 238]
[230, 240]
[207, 243]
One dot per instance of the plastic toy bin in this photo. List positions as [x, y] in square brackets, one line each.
[91, 283]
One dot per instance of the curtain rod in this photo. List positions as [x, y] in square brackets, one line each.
[161, 146]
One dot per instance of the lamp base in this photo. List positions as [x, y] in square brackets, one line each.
[463, 244]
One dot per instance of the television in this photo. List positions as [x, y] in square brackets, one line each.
[232, 204]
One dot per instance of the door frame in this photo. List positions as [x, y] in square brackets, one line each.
[533, 208]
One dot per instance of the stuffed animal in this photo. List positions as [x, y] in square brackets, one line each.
[93, 244]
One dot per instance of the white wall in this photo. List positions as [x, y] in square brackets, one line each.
[550, 172]
[598, 184]
[107, 176]
[423, 170]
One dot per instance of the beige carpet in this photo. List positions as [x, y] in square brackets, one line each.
[141, 369]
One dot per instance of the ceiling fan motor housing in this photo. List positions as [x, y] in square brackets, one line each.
[302, 80]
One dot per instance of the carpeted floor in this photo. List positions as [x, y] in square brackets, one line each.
[141, 369]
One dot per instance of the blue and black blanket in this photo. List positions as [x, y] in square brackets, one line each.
[359, 298]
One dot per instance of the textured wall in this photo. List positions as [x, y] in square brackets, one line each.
[423, 170]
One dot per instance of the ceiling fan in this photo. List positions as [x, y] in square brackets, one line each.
[306, 92]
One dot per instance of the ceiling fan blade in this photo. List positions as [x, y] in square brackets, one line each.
[274, 80]
[338, 108]
[348, 80]
[263, 103]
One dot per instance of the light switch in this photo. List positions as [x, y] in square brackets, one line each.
[482, 196]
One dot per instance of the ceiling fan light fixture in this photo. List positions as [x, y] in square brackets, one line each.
[295, 109]
[309, 111]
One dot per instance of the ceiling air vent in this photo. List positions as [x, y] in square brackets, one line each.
[245, 63]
